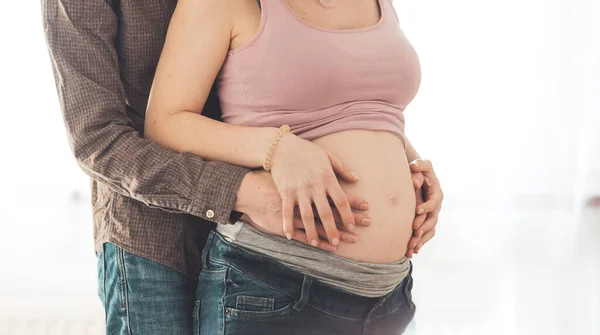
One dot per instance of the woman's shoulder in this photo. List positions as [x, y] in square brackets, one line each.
[224, 13]
[230, 8]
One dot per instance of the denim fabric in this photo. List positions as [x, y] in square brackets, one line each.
[142, 297]
[241, 292]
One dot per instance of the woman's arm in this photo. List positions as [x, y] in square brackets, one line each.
[196, 45]
[81, 38]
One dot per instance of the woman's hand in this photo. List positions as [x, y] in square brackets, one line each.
[260, 202]
[429, 203]
[305, 175]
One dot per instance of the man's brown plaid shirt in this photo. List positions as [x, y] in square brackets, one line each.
[147, 199]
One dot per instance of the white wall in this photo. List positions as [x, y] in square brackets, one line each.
[508, 112]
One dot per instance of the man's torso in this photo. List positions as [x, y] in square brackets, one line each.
[172, 239]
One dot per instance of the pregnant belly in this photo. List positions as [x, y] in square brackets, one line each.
[385, 182]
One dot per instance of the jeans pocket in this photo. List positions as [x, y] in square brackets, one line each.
[247, 298]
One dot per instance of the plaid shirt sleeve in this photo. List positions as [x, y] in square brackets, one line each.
[81, 37]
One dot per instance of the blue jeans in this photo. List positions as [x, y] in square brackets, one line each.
[143, 297]
[241, 292]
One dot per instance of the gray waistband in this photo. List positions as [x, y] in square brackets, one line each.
[361, 278]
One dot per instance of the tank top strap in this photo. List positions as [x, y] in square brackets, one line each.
[389, 10]
[273, 12]
[278, 10]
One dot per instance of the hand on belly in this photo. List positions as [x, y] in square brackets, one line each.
[385, 182]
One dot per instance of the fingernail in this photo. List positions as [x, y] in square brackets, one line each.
[366, 222]
[329, 247]
[421, 233]
[314, 243]
[351, 227]
[354, 175]
[335, 241]
[352, 238]
[421, 211]
[364, 207]
[289, 236]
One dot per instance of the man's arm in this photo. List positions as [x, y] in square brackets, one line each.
[81, 40]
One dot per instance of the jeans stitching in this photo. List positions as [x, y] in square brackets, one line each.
[280, 291]
[230, 266]
[103, 254]
[205, 252]
[124, 296]
[121, 276]
[103, 272]
[304, 294]
[260, 282]
[223, 301]
[242, 302]
[384, 315]
[400, 289]
[260, 315]
[197, 316]
[247, 314]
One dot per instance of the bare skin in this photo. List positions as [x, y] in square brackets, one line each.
[302, 171]
[385, 181]
[385, 178]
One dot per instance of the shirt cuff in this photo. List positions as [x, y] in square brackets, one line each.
[215, 192]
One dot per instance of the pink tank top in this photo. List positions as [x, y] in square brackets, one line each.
[320, 81]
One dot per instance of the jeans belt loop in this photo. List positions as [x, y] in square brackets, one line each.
[305, 293]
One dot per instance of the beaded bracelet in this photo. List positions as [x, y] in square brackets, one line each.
[282, 130]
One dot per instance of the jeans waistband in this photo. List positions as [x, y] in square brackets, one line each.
[305, 289]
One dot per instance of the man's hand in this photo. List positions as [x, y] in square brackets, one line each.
[260, 201]
[429, 203]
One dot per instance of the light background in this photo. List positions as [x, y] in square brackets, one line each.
[508, 111]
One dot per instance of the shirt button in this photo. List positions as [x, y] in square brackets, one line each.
[210, 213]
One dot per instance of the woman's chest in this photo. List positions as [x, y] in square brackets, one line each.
[318, 71]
